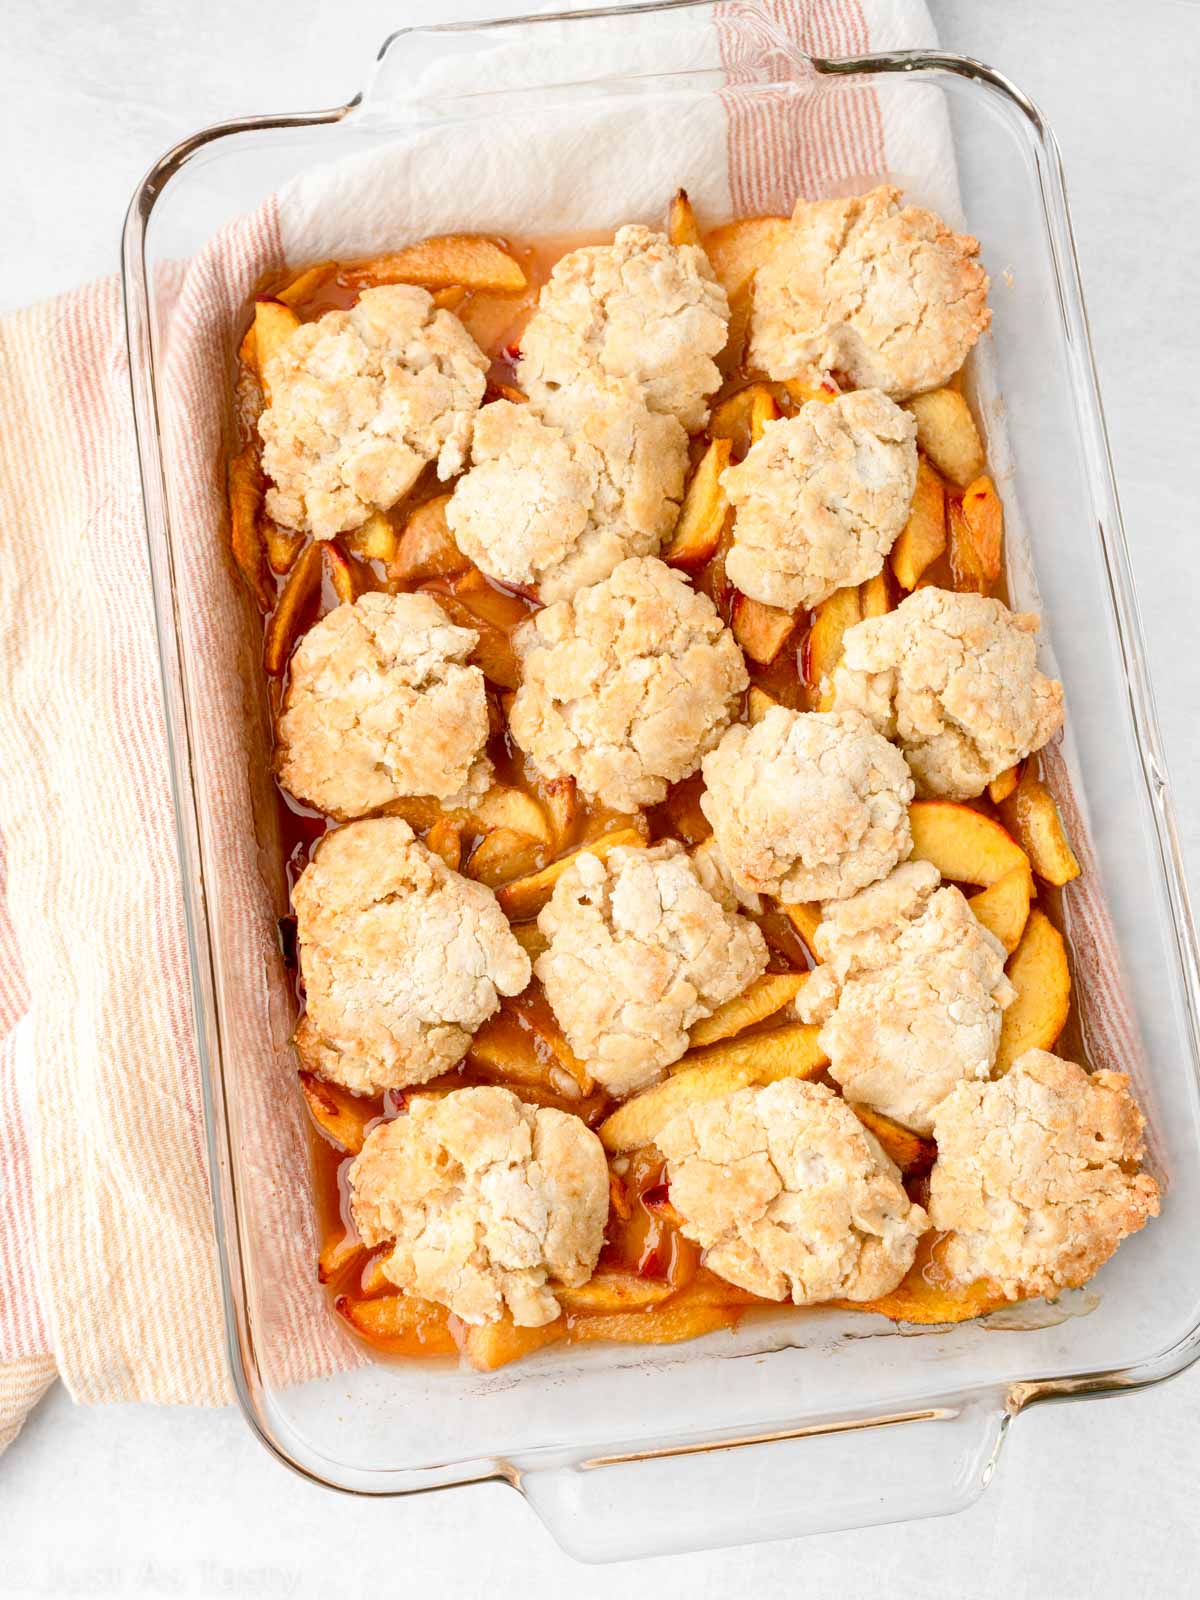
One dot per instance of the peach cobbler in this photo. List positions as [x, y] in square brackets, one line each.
[676, 895]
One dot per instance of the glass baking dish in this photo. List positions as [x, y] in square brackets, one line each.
[801, 1422]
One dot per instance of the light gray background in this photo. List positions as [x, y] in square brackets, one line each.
[1090, 1500]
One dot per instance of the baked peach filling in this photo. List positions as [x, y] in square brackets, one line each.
[520, 831]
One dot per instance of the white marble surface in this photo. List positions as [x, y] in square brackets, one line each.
[1092, 1501]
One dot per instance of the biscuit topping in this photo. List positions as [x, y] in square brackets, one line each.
[380, 703]
[910, 992]
[361, 400]
[626, 684]
[807, 805]
[638, 952]
[1033, 1177]
[885, 293]
[638, 308]
[402, 958]
[490, 1203]
[559, 503]
[790, 1196]
[953, 678]
[821, 499]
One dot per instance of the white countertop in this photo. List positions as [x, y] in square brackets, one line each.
[1090, 1500]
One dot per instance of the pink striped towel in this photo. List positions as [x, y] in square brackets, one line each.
[108, 1273]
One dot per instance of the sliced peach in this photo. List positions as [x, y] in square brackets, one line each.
[730, 418]
[531, 939]
[912, 1154]
[681, 220]
[511, 808]
[338, 1255]
[963, 844]
[924, 536]
[495, 1344]
[742, 417]
[532, 1010]
[401, 1322]
[741, 307]
[928, 1295]
[788, 1051]
[493, 653]
[274, 325]
[445, 839]
[500, 807]
[374, 1279]
[823, 647]
[967, 572]
[449, 298]
[345, 574]
[245, 533]
[341, 1116]
[947, 433]
[762, 631]
[525, 897]
[560, 797]
[376, 540]
[283, 546]
[614, 1291]
[503, 1048]
[1000, 788]
[287, 620]
[791, 1050]
[758, 703]
[669, 1323]
[1039, 971]
[800, 392]
[702, 514]
[1004, 907]
[763, 409]
[682, 806]
[805, 917]
[426, 548]
[707, 1289]
[306, 283]
[488, 600]
[984, 518]
[1032, 815]
[875, 595]
[736, 250]
[764, 997]
[465, 260]
[504, 854]
[637, 1122]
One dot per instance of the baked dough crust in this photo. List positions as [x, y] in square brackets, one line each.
[360, 401]
[639, 950]
[883, 292]
[790, 1196]
[490, 1203]
[402, 959]
[639, 308]
[807, 805]
[953, 679]
[821, 499]
[626, 684]
[380, 703]
[1034, 1175]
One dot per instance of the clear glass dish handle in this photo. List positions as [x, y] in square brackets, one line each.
[845, 1474]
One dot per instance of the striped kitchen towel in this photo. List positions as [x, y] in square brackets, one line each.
[108, 1274]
